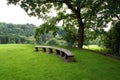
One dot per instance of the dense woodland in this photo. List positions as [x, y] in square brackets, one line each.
[16, 33]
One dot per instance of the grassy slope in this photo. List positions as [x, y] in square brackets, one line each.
[20, 62]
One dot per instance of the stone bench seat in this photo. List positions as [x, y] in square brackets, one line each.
[65, 54]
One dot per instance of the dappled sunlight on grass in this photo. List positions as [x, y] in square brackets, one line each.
[93, 47]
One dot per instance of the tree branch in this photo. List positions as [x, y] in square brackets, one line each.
[65, 16]
[70, 6]
[118, 17]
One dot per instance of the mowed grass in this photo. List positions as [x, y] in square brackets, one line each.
[20, 62]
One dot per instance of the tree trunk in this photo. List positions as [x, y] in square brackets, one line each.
[80, 29]
[118, 48]
[80, 34]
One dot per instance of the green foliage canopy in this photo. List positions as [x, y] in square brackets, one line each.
[84, 13]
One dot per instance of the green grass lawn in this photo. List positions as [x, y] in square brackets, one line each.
[20, 62]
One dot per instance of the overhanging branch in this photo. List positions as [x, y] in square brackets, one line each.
[118, 17]
[70, 6]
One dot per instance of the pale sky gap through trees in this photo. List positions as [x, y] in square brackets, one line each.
[16, 15]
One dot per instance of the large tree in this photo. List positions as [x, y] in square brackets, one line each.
[84, 12]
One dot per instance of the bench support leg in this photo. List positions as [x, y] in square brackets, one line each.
[57, 52]
[62, 54]
[70, 59]
[50, 50]
[44, 49]
[36, 49]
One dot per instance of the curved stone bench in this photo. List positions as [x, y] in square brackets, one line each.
[65, 54]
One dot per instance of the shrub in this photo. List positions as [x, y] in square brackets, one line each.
[53, 42]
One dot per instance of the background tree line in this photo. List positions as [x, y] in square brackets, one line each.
[16, 33]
